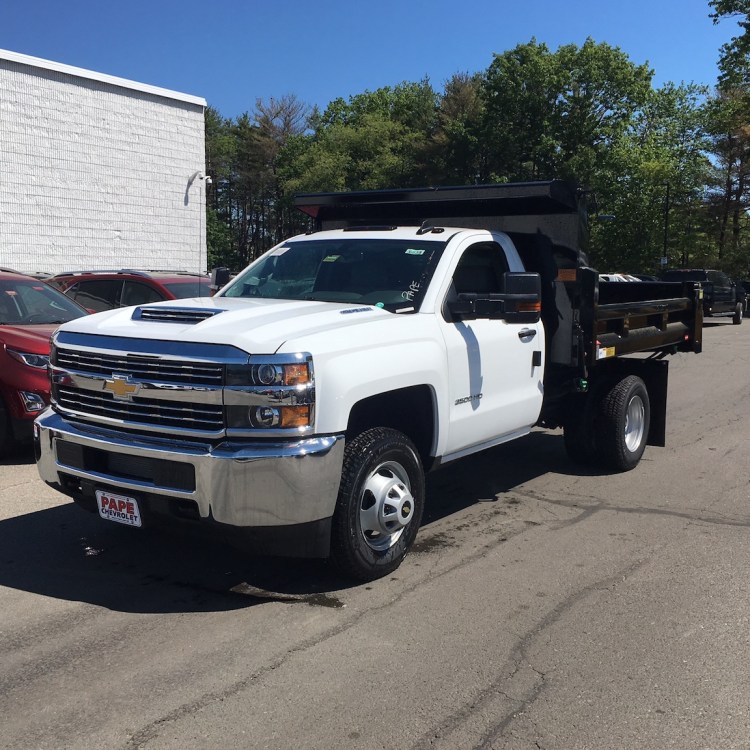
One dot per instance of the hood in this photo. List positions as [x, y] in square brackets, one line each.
[260, 326]
[31, 339]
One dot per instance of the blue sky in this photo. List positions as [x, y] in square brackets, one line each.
[232, 52]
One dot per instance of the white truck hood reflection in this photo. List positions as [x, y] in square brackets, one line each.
[249, 324]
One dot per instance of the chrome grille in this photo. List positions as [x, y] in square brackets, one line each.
[173, 371]
[146, 411]
[146, 385]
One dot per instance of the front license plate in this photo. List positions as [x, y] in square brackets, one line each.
[119, 508]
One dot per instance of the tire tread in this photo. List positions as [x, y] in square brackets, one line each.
[611, 425]
[344, 542]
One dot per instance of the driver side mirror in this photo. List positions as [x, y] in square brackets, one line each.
[523, 293]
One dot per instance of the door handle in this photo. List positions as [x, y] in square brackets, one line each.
[526, 333]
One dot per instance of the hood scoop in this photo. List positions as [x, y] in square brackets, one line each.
[184, 315]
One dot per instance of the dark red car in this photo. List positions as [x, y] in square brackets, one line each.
[30, 311]
[104, 290]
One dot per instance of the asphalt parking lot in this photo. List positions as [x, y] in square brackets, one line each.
[542, 607]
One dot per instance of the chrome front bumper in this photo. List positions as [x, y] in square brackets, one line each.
[241, 484]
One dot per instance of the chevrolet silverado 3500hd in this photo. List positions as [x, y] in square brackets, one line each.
[303, 403]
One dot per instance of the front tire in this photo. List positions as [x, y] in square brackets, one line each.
[623, 424]
[379, 506]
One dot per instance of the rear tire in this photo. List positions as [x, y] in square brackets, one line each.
[379, 506]
[623, 423]
[737, 317]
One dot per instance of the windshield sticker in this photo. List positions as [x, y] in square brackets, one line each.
[331, 258]
[404, 309]
[279, 251]
[11, 292]
[415, 251]
[411, 291]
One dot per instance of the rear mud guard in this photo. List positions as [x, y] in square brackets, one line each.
[655, 374]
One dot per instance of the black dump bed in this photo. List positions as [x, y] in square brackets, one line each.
[587, 321]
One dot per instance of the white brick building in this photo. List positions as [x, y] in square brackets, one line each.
[97, 171]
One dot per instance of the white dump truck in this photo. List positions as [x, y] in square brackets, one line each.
[300, 407]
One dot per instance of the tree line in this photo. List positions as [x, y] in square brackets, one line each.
[669, 166]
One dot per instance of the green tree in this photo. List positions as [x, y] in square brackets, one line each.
[735, 54]
[652, 182]
[729, 184]
[457, 154]
[601, 92]
[729, 111]
[520, 91]
[375, 140]
[244, 159]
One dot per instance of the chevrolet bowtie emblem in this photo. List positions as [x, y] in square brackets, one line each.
[121, 386]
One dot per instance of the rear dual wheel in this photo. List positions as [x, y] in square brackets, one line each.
[379, 506]
[738, 312]
[624, 421]
[611, 428]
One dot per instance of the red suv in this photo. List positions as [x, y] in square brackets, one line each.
[104, 290]
[30, 311]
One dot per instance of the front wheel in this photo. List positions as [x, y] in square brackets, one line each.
[379, 506]
[623, 424]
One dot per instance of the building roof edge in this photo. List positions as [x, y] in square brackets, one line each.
[38, 62]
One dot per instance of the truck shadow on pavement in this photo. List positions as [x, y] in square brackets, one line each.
[66, 553]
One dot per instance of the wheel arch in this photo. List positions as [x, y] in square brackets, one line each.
[410, 410]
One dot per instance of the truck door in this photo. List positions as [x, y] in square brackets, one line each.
[724, 297]
[495, 368]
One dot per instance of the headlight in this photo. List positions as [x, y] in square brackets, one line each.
[269, 373]
[269, 417]
[39, 361]
[275, 392]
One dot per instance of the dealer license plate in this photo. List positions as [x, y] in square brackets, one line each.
[118, 508]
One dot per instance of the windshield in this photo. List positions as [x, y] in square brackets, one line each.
[392, 274]
[34, 302]
[185, 289]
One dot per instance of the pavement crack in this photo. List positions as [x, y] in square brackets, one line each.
[142, 737]
[517, 662]
[598, 505]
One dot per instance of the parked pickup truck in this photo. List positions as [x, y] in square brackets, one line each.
[721, 295]
[301, 406]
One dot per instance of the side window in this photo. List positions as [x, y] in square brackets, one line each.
[137, 293]
[481, 269]
[98, 295]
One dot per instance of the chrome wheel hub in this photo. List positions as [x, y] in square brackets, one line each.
[635, 423]
[386, 505]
